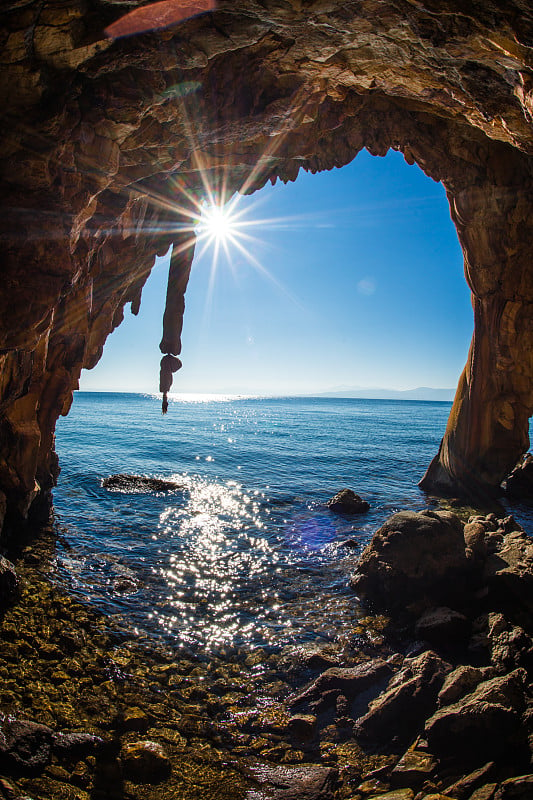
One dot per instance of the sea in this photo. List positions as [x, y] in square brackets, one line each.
[244, 552]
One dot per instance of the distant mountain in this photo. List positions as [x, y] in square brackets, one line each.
[363, 393]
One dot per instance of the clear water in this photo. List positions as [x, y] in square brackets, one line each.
[241, 553]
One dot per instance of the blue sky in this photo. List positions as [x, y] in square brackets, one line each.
[361, 284]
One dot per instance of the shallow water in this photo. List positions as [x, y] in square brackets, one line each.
[238, 555]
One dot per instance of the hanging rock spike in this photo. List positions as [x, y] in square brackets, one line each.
[169, 365]
[178, 278]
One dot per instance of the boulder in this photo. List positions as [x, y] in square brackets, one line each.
[459, 683]
[396, 716]
[508, 573]
[347, 502]
[483, 725]
[415, 558]
[413, 769]
[467, 784]
[25, 746]
[443, 627]
[348, 681]
[145, 762]
[76, 745]
[309, 782]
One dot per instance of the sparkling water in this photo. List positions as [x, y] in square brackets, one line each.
[244, 552]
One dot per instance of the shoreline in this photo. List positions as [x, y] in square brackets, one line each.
[224, 728]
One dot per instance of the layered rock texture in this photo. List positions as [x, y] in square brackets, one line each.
[106, 146]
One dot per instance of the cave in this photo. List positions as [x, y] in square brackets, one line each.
[107, 143]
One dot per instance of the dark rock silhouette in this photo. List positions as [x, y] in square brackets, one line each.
[139, 483]
[348, 502]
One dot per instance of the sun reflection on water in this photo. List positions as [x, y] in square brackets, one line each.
[219, 548]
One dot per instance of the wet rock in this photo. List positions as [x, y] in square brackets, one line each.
[25, 746]
[483, 725]
[139, 483]
[443, 626]
[397, 715]
[518, 788]
[351, 544]
[309, 782]
[347, 502]
[349, 681]
[413, 769]
[9, 583]
[145, 762]
[414, 558]
[395, 794]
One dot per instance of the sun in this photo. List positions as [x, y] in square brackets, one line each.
[218, 223]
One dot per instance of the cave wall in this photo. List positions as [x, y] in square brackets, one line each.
[106, 147]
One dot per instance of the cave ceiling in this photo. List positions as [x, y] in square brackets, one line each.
[108, 146]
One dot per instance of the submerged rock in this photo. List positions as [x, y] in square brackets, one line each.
[139, 483]
[414, 558]
[413, 768]
[145, 762]
[25, 746]
[309, 782]
[348, 502]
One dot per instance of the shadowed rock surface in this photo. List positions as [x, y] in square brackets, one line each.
[101, 139]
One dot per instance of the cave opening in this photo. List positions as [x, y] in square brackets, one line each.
[334, 279]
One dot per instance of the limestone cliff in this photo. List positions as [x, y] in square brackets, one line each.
[104, 143]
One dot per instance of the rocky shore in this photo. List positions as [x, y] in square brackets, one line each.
[428, 696]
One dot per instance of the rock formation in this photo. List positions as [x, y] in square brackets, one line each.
[106, 146]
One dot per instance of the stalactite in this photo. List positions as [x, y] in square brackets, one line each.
[178, 278]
